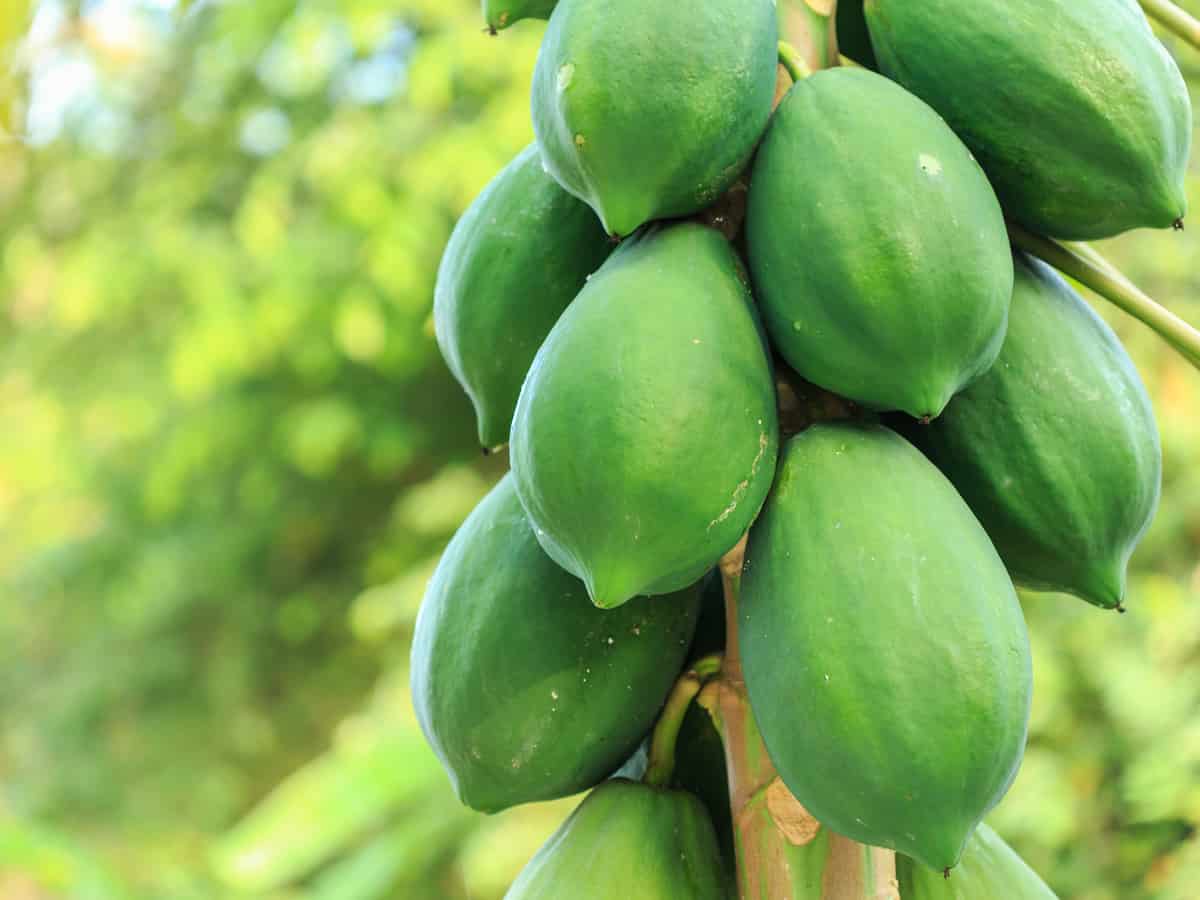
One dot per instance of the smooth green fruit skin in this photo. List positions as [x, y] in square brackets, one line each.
[1073, 107]
[516, 259]
[650, 109]
[645, 437]
[628, 841]
[523, 688]
[499, 14]
[989, 870]
[1056, 448]
[882, 266]
[885, 653]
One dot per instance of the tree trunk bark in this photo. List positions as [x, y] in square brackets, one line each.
[783, 853]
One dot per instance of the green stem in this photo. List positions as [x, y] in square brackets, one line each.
[1091, 270]
[661, 764]
[707, 666]
[1174, 19]
[790, 59]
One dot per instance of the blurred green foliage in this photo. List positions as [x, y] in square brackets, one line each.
[231, 454]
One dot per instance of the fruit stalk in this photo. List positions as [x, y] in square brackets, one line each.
[790, 59]
[783, 853]
[661, 764]
[810, 24]
[1091, 270]
[1178, 21]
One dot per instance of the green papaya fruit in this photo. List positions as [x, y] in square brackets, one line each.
[989, 870]
[517, 257]
[645, 436]
[1074, 109]
[700, 770]
[1056, 448]
[499, 14]
[882, 267]
[650, 109]
[628, 841]
[523, 688]
[885, 653]
[854, 39]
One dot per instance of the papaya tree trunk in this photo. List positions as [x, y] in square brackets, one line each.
[783, 853]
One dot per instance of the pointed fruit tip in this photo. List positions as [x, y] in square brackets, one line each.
[1177, 225]
[608, 595]
[492, 430]
[620, 222]
[932, 405]
[1104, 587]
[943, 848]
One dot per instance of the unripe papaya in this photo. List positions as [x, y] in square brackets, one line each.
[1056, 448]
[650, 109]
[628, 841]
[989, 870]
[883, 267]
[645, 436]
[499, 14]
[885, 653]
[524, 689]
[1074, 109]
[517, 257]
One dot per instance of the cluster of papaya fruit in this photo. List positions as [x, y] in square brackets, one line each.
[631, 348]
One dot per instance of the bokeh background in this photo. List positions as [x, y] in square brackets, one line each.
[230, 455]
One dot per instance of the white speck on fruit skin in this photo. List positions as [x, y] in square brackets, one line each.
[930, 165]
[566, 74]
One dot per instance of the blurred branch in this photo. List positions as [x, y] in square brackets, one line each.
[1174, 19]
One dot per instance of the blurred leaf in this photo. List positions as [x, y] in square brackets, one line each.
[403, 855]
[316, 812]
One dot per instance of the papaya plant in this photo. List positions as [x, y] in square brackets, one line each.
[827, 397]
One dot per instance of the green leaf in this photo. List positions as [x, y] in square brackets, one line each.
[325, 806]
